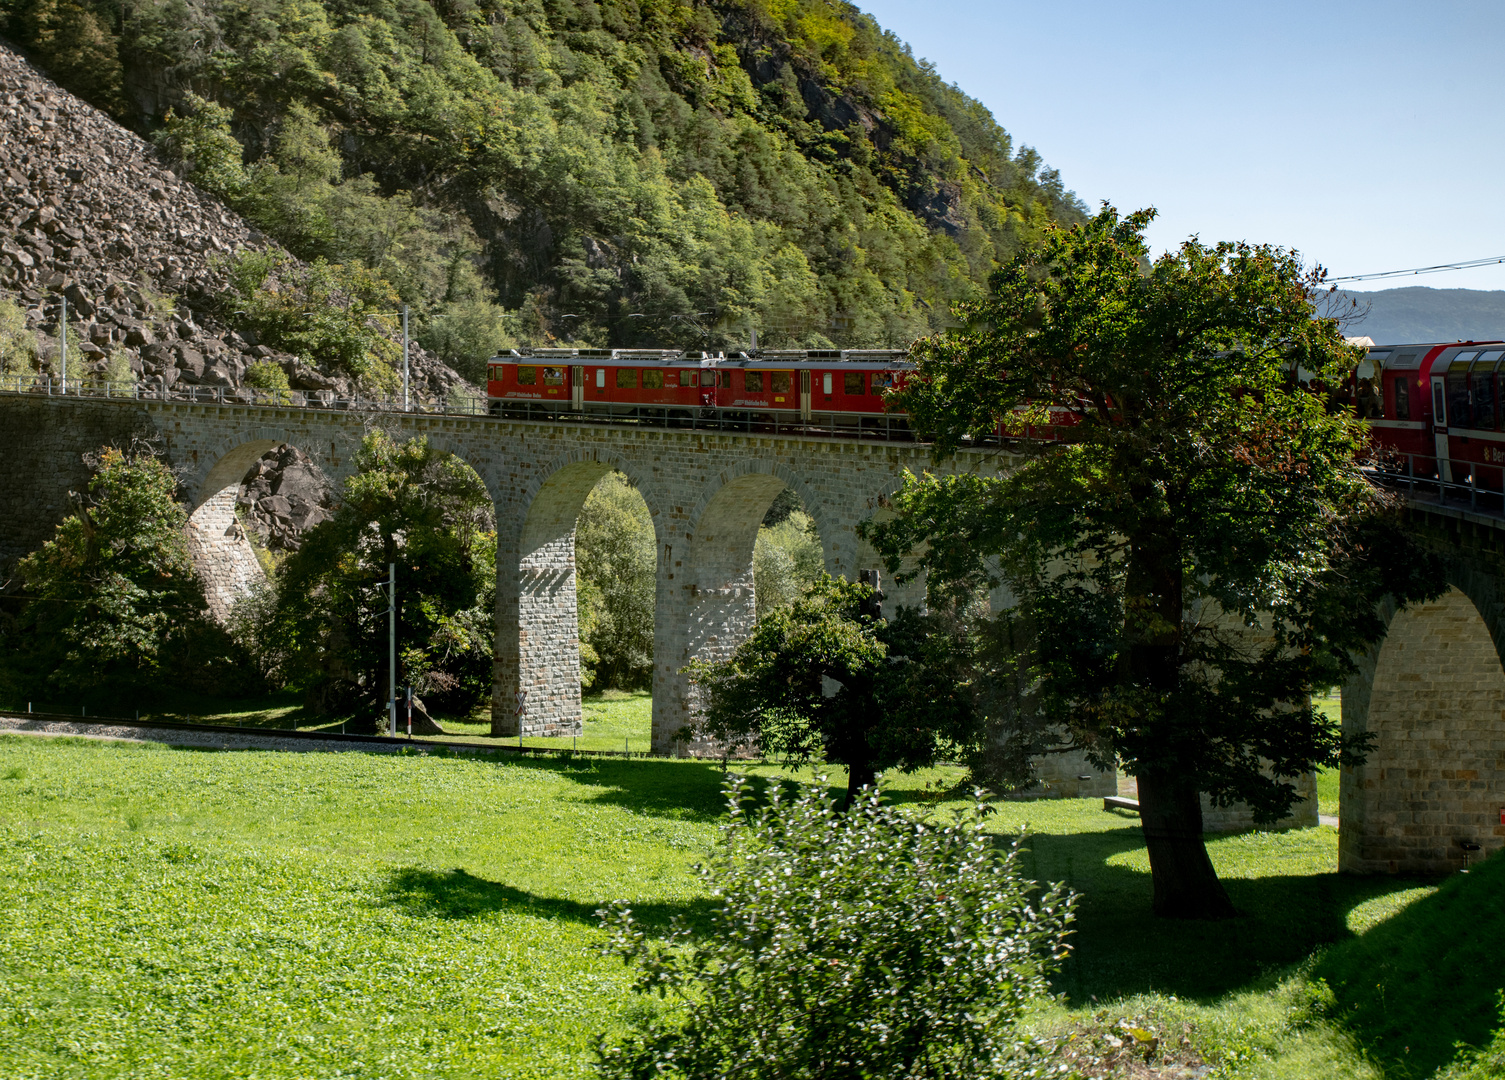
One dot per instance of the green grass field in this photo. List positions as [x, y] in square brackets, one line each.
[177, 913]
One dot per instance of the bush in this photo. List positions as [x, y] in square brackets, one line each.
[856, 944]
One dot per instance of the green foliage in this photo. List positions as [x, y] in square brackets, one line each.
[75, 42]
[1195, 552]
[335, 315]
[615, 564]
[823, 678]
[18, 345]
[783, 164]
[787, 558]
[201, 140]
[111, 602]
[428, 512]
[856, 944]
[267, 375]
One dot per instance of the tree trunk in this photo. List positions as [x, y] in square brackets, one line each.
[1186, 885]
[859, 775]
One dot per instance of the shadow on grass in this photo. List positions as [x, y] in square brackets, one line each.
[1428, 977]
[457, 894]
[1121, 948]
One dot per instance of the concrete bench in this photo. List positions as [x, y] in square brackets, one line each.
[1117, 802]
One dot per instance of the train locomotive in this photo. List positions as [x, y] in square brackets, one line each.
[838, 390]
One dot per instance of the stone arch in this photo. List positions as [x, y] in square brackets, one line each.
[538, 646]
[1432, 697]
[705, 605]
[217, 543]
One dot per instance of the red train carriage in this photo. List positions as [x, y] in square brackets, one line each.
[1437, 408]
[822, 389]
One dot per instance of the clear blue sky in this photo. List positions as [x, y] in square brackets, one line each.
[1367, 135]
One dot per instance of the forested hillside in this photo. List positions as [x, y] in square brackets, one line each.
[623, 172]
[1417, 314]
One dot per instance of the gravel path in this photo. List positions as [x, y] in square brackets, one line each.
[127, 732]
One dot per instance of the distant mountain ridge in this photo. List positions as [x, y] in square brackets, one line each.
[1419, 314]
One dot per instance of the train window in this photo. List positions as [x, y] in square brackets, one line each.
[600, 378]
[653, 380]
[527, 376]
[851, 383]
[752, 382]
[553, 376]
[1484, 399]
[1370, 404]
[778, 382]
[882, 380]
[1402, 399]
[627, 378]
[1458, 403]
[726, 380]
[825, 381]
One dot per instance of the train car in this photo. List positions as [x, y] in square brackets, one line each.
[1436, 408]
[820, 388]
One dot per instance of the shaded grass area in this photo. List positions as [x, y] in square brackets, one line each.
[613, 719]
[174, 912]
[1428, 977]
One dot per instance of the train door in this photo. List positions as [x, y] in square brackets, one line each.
[805, 394]
[577, 388]
[1440, 427]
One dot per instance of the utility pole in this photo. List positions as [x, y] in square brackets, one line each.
[63, 337]
[404, 358]
[392, 649]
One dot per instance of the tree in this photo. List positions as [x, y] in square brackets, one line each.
[112, 601]
[787, 557]
[845, 946]
[826, 678]
[614, 553]
[429, 513]
[1195, 550]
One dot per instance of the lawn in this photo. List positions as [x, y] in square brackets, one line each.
[176, 913]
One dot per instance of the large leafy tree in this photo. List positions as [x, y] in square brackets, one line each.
[1193, 551]
[429, 513]
[827, 678]
[112, 603]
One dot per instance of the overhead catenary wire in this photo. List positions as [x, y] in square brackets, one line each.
[1440, 268]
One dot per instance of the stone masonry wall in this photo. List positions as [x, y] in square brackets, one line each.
[221, 553]
[1436, 776]
[44, 448]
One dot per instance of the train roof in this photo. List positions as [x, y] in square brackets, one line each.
[784, 358]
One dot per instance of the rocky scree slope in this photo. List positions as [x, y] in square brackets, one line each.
[88, 211]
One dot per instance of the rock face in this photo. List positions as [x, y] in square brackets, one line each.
[283, 495]
[88, 211]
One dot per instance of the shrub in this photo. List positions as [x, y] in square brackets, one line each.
[268, 375]
[863, 943]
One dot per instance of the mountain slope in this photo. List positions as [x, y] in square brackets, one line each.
[612, 171]
[1420, 314]
[88, 211]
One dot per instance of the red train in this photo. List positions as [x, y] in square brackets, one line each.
[829, 389]
[1436, 409]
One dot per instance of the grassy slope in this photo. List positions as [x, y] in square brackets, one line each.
[172, 912]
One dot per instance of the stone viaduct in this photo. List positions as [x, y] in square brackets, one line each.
[1430, 798]
[707, 493]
